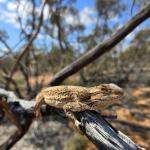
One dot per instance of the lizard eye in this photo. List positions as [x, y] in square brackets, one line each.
[103, 88]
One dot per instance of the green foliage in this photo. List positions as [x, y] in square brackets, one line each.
[139, 49]
[142, 36]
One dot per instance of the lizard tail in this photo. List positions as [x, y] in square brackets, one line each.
[37, 109]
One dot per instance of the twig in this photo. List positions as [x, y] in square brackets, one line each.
[133, 3]
[101, 48]
[16, 87]
[26, 49]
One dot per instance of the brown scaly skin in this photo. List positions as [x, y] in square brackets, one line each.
[78, 98]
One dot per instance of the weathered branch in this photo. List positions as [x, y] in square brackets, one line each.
[102, 48]
[95, 127]
[102, 134]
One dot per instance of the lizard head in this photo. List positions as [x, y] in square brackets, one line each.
[105, 95]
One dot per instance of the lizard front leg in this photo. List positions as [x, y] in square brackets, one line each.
[72, 107]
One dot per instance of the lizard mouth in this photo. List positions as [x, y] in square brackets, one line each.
[104, 101]
[97, 101]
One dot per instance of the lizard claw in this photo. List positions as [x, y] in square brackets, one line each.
[77, 123]
[78, 126]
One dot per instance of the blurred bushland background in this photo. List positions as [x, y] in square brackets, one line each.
[40, 38]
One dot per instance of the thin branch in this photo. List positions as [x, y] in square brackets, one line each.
[14, 83]
[102, 48]
[33, 14]
[26, 77]
[29, 89]
[6, 45]
[133, 3]
[32, 38]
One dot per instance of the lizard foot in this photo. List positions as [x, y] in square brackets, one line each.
[77, 123]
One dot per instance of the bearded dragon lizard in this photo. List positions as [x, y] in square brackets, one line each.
[77, 98]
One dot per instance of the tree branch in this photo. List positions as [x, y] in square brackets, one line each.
[102, 134]
[101, 48]
[95, 127]
[16, 136]
[32, 38]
